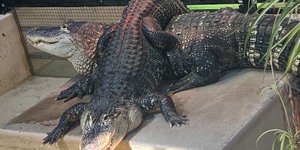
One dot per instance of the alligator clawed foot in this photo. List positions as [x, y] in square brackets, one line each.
[72, 92]
[51, 138]
[175, 88]
[79, 89]
[171, 88]
[178, 121]
[68, 94]
[181, 85]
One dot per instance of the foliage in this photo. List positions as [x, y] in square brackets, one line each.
[287, 139]
[287, 10]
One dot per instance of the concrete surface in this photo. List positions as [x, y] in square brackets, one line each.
[14, 66]
[227, 115]
[19, 99]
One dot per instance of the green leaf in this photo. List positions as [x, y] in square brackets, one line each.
[254, 23]
[294, 53]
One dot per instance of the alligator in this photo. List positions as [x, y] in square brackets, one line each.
[213, 42]
[198, 32]
[65, 42]
[126, 81]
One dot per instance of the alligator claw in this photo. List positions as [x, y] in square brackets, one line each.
[72, 92]
[178, 121]
[79, 89]
[68, 94]
[55, 135]
[176, 87]
[51, 138]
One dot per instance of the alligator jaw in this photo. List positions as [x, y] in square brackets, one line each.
[97, 145]
[108, 131]
[104, 134]
[36, 41]
[102, 142]
[52, 40]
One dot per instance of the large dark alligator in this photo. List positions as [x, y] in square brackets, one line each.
[213, 42]
[126, 81]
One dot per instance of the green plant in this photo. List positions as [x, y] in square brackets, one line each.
[287, 139]
[284, 138]
[287, 9]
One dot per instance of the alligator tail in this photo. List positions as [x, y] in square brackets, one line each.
[257, 45]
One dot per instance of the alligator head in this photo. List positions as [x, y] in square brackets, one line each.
[105, 129]
[75, 41]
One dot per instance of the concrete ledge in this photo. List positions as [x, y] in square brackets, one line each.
[227, 115]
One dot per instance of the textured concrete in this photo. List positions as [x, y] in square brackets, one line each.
[18, 100]
[14, 67]
[230, 114]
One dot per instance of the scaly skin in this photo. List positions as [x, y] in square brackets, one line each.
[126, 79]
[214, 43]
[209, 58]
[65, 42]
[195, 38]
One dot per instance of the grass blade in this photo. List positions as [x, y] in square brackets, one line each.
[294, 53]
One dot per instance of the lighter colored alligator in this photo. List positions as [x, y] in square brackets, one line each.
[75, 41]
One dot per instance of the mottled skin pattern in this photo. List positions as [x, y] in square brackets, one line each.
[197, 33]
[60, 41]
[214, 42]
[210, 43]
[125, 82]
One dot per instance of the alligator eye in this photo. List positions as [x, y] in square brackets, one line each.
[105, 117]
[89, 121]
[64, 26]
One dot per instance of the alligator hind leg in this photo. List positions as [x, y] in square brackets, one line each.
[162, 39]
[159, 38]
[68, 118]
[205, 70]
[167, 108]
[105, 37]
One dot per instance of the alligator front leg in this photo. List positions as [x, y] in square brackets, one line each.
[167, 108]
[82, 87]
[205, 70]
[86, 85]
[68, 118]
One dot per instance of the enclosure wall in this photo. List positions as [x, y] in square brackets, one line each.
[14, 66]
